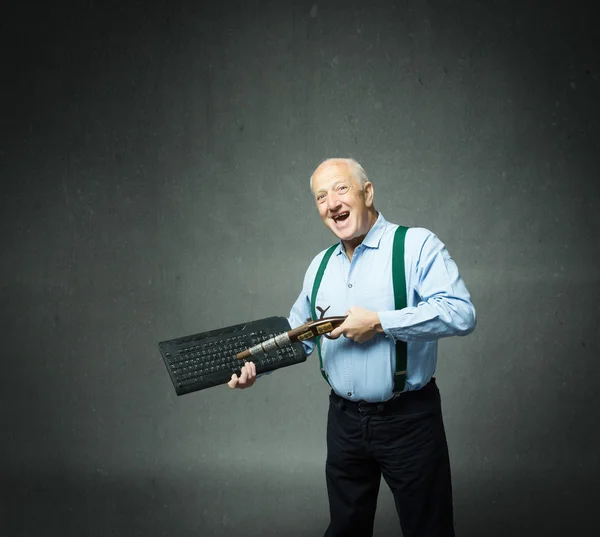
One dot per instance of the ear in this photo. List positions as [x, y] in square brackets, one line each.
[369, 193]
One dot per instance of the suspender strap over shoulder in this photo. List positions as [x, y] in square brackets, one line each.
[400, 302]
[313, 301]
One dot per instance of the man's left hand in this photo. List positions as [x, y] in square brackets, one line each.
[360, 326]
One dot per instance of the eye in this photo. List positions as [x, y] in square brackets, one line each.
[320, 197]
[342, 189]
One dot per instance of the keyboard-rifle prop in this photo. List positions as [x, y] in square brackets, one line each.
[207, 359]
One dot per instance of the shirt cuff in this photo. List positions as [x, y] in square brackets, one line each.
[388, 320]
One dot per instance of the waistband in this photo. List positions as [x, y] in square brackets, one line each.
[425, 399]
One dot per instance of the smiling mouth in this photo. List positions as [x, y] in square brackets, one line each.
[340, 217]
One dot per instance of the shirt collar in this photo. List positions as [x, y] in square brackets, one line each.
[373, 237]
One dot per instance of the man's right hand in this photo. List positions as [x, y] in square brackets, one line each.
[246, 379]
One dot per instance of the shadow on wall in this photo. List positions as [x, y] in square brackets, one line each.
[208, 506]
[196, 505]
[524, 505]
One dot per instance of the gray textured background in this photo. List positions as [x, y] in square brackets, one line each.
[154, 167]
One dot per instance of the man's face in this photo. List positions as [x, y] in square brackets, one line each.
[343, 207]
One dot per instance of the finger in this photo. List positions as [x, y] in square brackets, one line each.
[243, 375]
[251, 374]
[246, 376]
[367, 336]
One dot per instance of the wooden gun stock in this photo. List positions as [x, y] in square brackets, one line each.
[306, 331]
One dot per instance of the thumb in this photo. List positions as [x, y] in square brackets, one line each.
[336, 333]
[233, 382]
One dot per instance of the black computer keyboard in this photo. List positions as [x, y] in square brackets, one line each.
[208, 359]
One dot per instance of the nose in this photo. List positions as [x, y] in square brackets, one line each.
[333, 202]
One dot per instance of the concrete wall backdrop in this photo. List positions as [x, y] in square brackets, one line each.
[154, 161]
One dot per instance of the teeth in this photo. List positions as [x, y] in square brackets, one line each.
[337, 216]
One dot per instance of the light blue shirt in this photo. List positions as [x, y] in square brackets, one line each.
[438, 305]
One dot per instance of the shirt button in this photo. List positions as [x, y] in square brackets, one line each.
[349, 394]
[350, 285]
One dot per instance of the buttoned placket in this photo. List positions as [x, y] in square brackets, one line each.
[350, 288]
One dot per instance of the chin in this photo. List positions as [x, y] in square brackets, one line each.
[343, 235]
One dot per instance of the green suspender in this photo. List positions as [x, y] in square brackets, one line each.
[399, 284]
[313, 300]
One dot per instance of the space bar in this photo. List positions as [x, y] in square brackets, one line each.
[217, 377]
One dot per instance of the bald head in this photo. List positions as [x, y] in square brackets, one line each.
[354, 168]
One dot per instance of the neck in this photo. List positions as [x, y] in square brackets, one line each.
[351, 244]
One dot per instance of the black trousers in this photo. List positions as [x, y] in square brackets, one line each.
[403, 440]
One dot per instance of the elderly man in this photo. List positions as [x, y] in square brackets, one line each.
[401, 292]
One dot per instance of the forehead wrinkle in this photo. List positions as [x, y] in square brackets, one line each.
[333, 183]
[341, 173]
